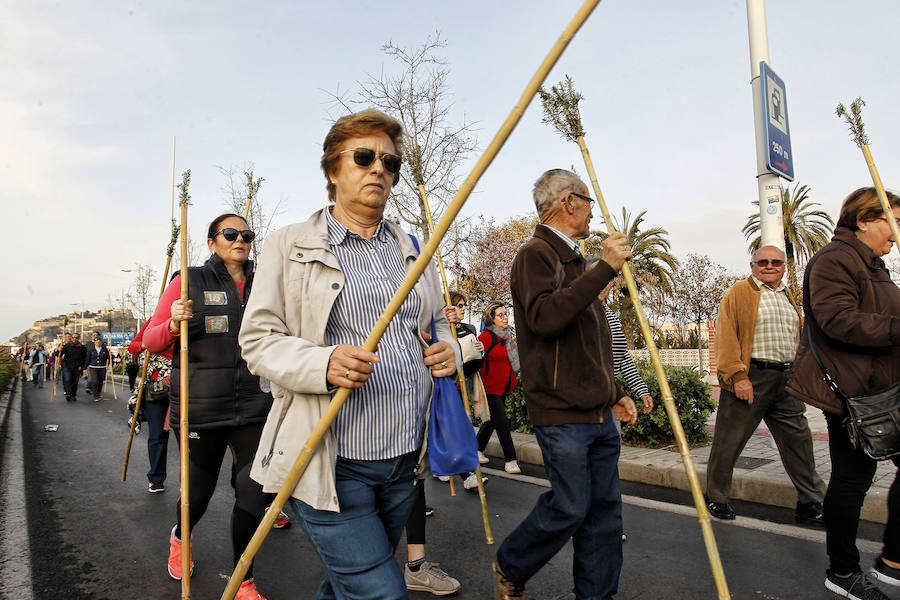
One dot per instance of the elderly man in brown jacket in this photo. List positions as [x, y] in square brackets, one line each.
[756, 338]
[571, 393]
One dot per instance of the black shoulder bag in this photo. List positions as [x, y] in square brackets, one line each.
[873, 421]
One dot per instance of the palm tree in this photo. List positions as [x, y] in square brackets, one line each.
[653, 266]
[806, 229]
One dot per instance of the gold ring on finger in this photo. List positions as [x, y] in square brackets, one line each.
[347, 374]
[444, 363]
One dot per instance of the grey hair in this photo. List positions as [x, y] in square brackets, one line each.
[550, 186]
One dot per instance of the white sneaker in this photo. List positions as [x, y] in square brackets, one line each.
[512, 467]
[471, 482]
[444, 478]
[482, 458]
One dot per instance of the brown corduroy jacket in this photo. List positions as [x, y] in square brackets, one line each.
[565, 345]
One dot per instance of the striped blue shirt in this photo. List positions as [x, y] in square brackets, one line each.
[385, 418]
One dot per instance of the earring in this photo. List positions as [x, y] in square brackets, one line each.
[863, 230]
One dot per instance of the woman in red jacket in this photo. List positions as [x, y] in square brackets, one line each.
[501, 361]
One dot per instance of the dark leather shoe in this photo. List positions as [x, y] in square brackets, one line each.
[720, 510]
[506, 589]
[809, 513]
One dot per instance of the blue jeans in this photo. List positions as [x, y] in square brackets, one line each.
[357, 544]
[70, 381]
[157, 440]
[584, 503]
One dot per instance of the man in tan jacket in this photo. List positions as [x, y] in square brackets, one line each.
[756, 337]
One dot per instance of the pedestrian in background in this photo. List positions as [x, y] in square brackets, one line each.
[96, 359]
[38, 360]
[757, 331]
[155, 405]
[72, 358]
[852, 313]
[498, 373]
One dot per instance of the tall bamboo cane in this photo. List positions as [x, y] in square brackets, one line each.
[170, 250]
[396, 302]
[561, 109]
[858, 133]
[56, 363]
[462, 376]
[109, 365]
[183, 391]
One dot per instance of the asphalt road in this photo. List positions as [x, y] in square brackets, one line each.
[94, 537]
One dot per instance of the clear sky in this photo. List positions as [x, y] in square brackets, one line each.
[95, 91]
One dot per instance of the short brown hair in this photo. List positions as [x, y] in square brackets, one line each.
[864, 205]
[214, 225]
[365, 122]
[456, 297]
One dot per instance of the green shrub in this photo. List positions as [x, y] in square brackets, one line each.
[692, 399]
[8, 367]
[516, 412]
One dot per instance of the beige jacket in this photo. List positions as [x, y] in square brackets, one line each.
[282, 338]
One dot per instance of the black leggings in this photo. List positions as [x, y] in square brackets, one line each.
[415, 525]
[206, 453]
[497, 408]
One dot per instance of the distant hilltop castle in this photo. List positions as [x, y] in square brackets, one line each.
[114, 324]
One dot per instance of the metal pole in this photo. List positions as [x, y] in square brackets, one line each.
[771, 222]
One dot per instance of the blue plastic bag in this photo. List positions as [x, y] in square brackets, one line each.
[452, 447]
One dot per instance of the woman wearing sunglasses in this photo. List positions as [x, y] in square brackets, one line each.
[227, 406]
[320, 288]
[852, 311]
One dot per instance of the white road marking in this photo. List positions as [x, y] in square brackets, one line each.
[793, 531]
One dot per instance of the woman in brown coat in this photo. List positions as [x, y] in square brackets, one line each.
[852, 311]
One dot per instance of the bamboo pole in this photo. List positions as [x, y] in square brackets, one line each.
[461, 375]
[170, 250]
[109, 366]
[56, 363]
[709, 540]
[184, 390]
[858, 133]
[412, 276]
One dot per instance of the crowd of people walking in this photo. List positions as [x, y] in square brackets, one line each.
[270, 344]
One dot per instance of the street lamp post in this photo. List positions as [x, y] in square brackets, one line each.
[82, 316]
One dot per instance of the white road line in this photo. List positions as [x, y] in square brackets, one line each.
[793, 531]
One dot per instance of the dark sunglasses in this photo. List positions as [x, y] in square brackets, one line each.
[231, 234]
[765, 262]
[365, 157]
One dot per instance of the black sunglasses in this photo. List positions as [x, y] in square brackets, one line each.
[365, 157]
[765, 262]
[231, 234]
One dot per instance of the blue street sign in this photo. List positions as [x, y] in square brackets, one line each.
[779, 157]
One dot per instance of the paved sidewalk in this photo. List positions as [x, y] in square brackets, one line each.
[758, 476]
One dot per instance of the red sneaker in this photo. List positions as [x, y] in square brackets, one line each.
[175, 556]
[247, 591]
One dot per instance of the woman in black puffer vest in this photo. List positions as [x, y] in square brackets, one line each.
[227, 406]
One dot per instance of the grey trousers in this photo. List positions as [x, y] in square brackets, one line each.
[736, 420]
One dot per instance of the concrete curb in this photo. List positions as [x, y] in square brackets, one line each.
[664, 468]
[15, 550]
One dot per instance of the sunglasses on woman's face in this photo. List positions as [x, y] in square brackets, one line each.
[231, 234]
[365, 157]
